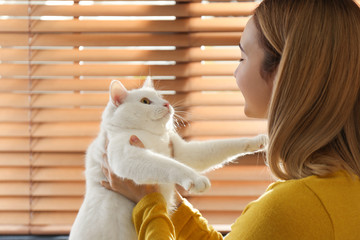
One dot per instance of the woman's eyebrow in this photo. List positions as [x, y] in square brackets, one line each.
[241, 48]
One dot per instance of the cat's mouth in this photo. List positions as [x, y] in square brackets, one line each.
[162, 114]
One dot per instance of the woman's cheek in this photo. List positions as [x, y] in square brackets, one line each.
[238, 77]
[241, 79]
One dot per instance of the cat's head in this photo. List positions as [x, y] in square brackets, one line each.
[142, 108]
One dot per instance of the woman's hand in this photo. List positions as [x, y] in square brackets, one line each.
[126, 187]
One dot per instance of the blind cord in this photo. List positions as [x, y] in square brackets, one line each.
[30, 115]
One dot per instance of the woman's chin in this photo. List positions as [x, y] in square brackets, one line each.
[254, 114]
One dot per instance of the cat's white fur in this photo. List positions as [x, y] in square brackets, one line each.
[106, 215]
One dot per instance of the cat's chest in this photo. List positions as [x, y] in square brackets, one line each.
[156, 143]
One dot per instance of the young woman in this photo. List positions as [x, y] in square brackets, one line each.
[300, 69]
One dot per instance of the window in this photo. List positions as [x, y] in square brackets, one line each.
[57, 60]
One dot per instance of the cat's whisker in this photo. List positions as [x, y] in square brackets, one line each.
[180, 121]
[178, 104]
[183, 115]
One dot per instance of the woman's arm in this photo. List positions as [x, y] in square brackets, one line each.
[186, 223]
[151, 220]
[190, 224]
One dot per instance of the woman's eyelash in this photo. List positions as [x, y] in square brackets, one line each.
[241, 59]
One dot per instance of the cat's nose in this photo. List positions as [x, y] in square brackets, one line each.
[167, 105]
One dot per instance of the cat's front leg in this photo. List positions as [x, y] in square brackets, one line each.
[203, 155]
[147, 167]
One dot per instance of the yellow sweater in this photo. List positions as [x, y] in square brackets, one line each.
[310, 208]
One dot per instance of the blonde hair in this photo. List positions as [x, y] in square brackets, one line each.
[314, 113]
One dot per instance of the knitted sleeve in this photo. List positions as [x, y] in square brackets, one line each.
[152, 221]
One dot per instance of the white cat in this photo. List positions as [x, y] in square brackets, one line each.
[105, 215]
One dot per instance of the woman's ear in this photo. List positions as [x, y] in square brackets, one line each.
[148, 83]
[118, 93]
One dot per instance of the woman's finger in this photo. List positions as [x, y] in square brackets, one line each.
[105, 161]
[106, 185]
[135, 141]
[105, 165]
[105, 171]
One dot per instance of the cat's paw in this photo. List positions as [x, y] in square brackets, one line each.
[201, 184]
[258, 142]
[262, 140]
[198, 185]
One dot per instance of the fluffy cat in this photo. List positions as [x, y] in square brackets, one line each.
[142, 112]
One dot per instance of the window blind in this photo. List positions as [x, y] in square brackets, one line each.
[57, 60]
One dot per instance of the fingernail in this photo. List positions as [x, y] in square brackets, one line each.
[134, 139]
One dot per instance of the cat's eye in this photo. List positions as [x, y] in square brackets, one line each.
[145, 101]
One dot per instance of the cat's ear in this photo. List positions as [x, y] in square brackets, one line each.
[118, 93]
[148, 83]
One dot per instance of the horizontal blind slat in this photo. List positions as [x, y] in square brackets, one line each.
[42, 159]
[234, 188]
[14, 100]
[58, 174]
[14, 129]
[14, 115]
[228, 128]
[60, 100]
[12, 218]
[14, 188]
[180, 10]
[182, 55]
[51, 229]
[51, 115]
[63, 144]
[129, 39]
[11, 144]
[59, 159]
[189, 84]
[9, 204]
[91, 129]
[240, 173]
[206, 113]
[14, 159]
[57, 100]
[53, 218]
[56, 204]
[50, 129]
[113, 26]
[181, 70]
[63, 189]
[195, 113]
[15, 229]
[14, 174]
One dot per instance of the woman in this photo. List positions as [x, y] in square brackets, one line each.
[300, 69]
